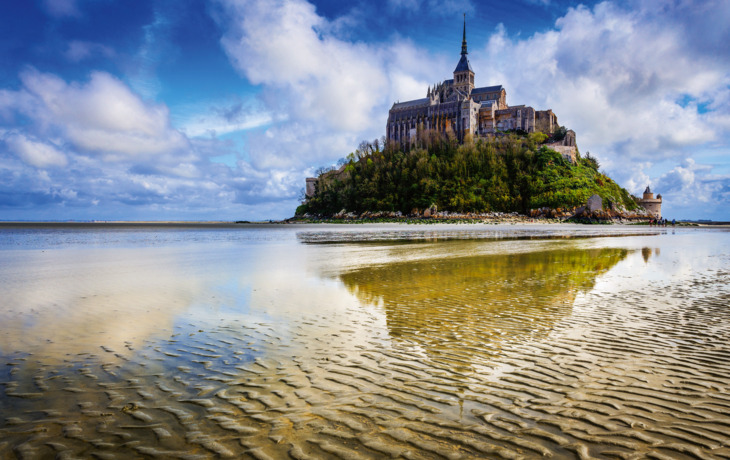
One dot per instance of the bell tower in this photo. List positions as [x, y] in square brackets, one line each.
[463, 74]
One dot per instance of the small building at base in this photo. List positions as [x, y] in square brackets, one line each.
[651, 204]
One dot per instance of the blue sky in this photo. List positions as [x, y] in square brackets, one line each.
[218, 109]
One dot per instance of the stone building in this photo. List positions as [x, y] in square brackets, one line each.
[651, 204]
[457, 107]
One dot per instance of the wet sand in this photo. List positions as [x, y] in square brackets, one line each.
[382, 341]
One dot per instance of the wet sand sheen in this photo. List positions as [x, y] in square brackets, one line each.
[557, 352]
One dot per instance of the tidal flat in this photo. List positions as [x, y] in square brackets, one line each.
[367, 341]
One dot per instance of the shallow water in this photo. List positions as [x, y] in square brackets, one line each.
[364, 342]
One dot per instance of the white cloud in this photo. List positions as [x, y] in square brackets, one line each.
[326, 93]
[102, 116]
[628, 80]
[612, 75]
[641, 82]
[35, 153]
[617, 75]
[105, 148]
[213, 124]
[281, 45]
[298, 145]
[692, 190]
[688, 183]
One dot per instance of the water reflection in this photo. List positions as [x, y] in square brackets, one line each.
[646, 253]
[472, 305]
[252, 348]
[59, 304]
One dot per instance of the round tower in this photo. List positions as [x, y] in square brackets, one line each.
[651, 204]
[647, 194]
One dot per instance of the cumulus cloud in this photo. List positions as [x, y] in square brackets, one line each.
[628, 80]
[280, 44]
[694, 191]
[97, 145]
[611, 74]
[35, 153]
[615, 73]
[641, 82]
[330, 93]
[101, 116]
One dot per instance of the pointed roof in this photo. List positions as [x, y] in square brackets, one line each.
[463, 40]
[463, 64]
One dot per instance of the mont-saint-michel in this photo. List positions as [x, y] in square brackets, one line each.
[464, 151]
[457, 107]
[513, 337]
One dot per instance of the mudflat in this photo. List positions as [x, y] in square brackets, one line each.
[364, 341]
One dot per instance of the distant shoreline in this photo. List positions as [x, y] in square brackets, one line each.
[273, 223]
[131, 224]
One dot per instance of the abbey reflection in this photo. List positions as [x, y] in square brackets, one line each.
[472, 306]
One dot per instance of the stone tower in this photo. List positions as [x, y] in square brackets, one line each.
[651, 204]
[463, 74]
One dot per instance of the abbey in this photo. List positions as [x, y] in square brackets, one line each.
[456, 106]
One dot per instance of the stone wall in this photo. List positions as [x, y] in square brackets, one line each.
[516, 117]
[653, 207]
[546, 121]
[311, 187]
[568, 152]
[500, 98]
[566, 147]
[311, 182]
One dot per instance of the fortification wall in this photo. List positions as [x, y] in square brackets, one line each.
[546, 121]
[567, 151]
[654, 207]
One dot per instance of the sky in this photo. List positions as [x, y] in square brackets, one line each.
[219, 109]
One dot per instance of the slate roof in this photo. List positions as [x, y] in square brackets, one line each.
[463, 64]
[487, 89]
[409, 104]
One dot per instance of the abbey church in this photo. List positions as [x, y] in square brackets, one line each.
[456, 106]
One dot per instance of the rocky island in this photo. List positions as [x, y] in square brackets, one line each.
[462, 152]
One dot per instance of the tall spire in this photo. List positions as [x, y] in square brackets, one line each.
[463, 41]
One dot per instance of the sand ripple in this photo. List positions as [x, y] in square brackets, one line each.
[590, 375]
